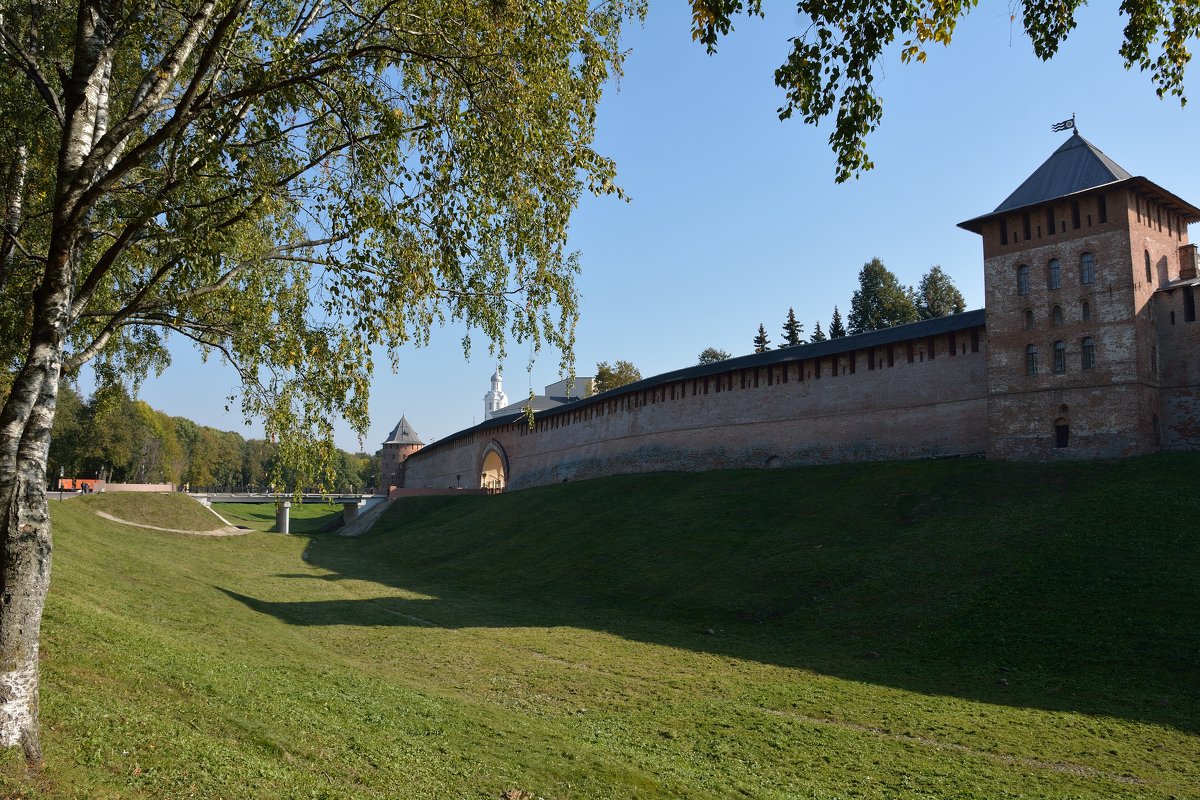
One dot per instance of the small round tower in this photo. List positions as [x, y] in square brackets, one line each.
[401, 443]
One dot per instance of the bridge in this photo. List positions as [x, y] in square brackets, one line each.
[351, 503]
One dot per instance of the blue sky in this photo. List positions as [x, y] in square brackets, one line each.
[735, 216]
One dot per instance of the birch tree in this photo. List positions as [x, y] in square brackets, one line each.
[292, 185]
[829, 71]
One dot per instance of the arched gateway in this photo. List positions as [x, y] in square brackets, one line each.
[493, 467]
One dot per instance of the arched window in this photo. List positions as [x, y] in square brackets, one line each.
[1087, 268]
[1087, 353]
[1060, 358]
[1054, 274]
[1023, 278]
[1031, 360]
[1149, 276]
[1029, 319]
[1056, 317]
[1085, 311]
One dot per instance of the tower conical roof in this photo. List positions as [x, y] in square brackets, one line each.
[403, 433]
[1076, 165]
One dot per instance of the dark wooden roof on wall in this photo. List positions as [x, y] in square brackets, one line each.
[785, 355]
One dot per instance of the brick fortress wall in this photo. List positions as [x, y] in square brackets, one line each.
[908, 399]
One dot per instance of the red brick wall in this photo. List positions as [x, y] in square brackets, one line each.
[931, 407]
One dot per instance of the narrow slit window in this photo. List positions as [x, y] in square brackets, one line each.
[1029, 319]
[1085, 311]
[1050, 221]
[1102, 208]
[1149, 274]
[1027, 224]
[1056, 317]
[1075, 214]
[1189, 304]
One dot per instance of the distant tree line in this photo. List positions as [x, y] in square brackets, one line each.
[123, 440]
[880, 301]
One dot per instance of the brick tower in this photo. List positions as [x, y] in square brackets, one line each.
[401, 443]
[1081, 263]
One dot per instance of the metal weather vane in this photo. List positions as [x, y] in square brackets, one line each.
[1065, 125]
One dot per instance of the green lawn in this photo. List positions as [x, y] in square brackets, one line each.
[145, 508]
[304, 518]
[913, 630]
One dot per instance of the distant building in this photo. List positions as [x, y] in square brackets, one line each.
[401, 443]
[495, 399]
[557, 394]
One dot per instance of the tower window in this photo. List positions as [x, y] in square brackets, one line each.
[1054, 276]
[1050, 221]
[1031, 360]
[1075, 214]
[1189, 304]
[1023, 277]
[1149, 276]
[1087, 268]
[1102, 208]
[1056, 317]
[1029, 319]
[1060, 358]
[1085, 311]
[1025, 222]
[1087, 353]
[1003, 230]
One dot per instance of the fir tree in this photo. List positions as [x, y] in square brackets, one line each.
[818, 335]
[792, 330]
[836, 329]
[881, 300]
[937, 296]
[761, 343]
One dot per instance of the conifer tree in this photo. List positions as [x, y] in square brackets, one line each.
[937, 296]
[761, 343]
[881, 301]
[836, 329]
[792, 330]
[818, 335]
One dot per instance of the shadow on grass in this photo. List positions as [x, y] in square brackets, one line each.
[1067, 587]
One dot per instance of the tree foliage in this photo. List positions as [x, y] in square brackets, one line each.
[610, 376]
[711, 355]
[793, 331]
[298, 187]
[762, 342]
[818, 335]
[937, 296]
[880, 300]
[123, 440]
[836, 329]
[832, 65]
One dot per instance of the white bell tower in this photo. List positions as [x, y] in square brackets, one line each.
[496, 399]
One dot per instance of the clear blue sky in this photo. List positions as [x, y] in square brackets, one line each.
[734, 215]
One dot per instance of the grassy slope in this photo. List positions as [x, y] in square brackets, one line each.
[145, 508]
[952, 629]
